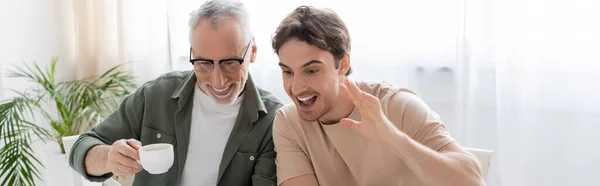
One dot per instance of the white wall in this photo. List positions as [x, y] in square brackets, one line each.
[29, 33]
[1, 82]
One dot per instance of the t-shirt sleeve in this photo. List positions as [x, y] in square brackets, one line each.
[291, 160]
[411, 115]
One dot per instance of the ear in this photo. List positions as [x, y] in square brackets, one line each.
[253, 53]
[344, 65]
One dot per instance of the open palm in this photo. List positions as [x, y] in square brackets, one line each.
[374, 124]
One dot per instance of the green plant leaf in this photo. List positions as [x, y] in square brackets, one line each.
[17, 169]
[79, 105]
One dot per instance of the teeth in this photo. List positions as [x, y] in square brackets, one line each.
[220, 90]
[305, 98]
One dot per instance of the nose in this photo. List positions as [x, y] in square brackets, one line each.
[217, 77]
[298, 85]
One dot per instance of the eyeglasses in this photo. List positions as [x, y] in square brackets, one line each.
[227, 65]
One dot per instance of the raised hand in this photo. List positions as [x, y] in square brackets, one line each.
[374, 124]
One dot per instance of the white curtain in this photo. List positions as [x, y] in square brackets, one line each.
[1, 82]
[89, 37]
[519, 77]
[101, 34]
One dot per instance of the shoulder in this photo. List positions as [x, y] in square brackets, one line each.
[387, 93]
[403, 107]
[271, 102]
[167, 82]
[394, 99]
[288, 112]
[287, 120]
[162, 87]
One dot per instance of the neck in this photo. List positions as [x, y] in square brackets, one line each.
[342, 109]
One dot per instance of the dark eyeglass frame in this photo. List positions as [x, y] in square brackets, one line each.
[220, 62]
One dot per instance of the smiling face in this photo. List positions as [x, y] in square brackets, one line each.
[310, 78]
[225, 41]
[313, 46]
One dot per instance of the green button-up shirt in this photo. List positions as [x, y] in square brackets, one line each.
[164, 106]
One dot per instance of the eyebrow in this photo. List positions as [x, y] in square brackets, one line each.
[196, 57]
[282, 65]
[228, 58]
[314, 61]
[201, 58]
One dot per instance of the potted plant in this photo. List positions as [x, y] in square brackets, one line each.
[71, 108]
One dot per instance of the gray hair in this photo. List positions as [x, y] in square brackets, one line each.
[216, 11]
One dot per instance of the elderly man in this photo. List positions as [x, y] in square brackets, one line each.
[340, 132]
[217, 119]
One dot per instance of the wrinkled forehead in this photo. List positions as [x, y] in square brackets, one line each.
[225, 38]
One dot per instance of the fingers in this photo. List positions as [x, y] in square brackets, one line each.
[117, 172]
[128, 165]
[346, 91]
[124, 148]
[128, 162]
[121, 171]
[121, 165]
[359, 97]
[122, 157]
[134, 143]
[355, 92]
[350, 123]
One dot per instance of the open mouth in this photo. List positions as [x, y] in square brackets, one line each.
[221, 91]
[307, 101]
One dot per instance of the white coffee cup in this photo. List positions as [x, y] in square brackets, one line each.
[156, 158]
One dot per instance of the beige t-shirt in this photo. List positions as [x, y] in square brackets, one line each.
[340, 156]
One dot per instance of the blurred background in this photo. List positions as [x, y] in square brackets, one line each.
[519, 77]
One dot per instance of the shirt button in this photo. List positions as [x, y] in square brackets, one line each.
[251, 158]
[158, 135]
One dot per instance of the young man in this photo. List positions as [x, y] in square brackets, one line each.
[340, 132]
[219, 122]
